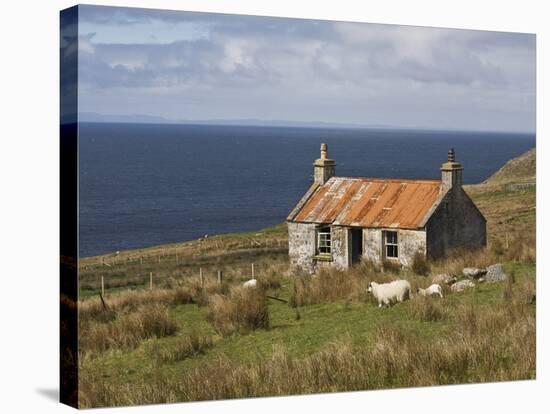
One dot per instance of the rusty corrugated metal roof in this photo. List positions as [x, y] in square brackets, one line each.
[370, 202]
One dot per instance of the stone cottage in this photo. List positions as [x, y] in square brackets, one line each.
[341, 220]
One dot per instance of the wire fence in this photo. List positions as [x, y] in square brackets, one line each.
[177, 254]
[109, 279]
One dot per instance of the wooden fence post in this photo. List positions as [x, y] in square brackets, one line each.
[201, 279]
[159, 258]
[140, 260]
[252, 266]
[102, 285]
[220, 277]
[150, 280]
[176, 256]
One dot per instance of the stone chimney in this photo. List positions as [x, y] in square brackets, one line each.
[323, 168]
[451, 172]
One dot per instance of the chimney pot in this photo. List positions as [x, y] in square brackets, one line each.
[324, 150]
[451, 155]
[451, 171]
[323, 167]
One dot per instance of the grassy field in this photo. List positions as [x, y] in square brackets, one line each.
[188, 339]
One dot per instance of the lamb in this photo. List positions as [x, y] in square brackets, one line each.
[388, 293]
[250, 283]
[432, 290]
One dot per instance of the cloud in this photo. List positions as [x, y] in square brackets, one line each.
[224, 66]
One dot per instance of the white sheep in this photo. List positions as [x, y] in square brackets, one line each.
[250, 283]
[432, 290]
[388, 293]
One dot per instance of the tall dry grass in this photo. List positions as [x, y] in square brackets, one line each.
[192, 291]
[130, 300]
[125, 330]
[521, 248]
[271, 278]
[242, 311]
[332, 285]
[458, 259]
[489, 344]
[426, 309]
[420, 264]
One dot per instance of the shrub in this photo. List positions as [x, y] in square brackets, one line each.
[242, 311]
[420, 264]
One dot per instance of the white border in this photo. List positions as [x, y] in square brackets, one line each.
[29, 203]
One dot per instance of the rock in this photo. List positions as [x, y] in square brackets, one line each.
[473, 272]
[462, 285]
[495, 273]
[444, 278]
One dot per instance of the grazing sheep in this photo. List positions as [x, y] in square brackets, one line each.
[388, 293]
[250, 283]
[444, 278]
[432, 290]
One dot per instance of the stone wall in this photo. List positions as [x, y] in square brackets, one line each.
[301, 246]
[456, 223]
[302, 240]
[372, 245]
[409, 243]
[340, 254]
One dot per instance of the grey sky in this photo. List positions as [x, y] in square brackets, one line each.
[182, 65]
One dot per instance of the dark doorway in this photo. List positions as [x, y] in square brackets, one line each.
[356, 236]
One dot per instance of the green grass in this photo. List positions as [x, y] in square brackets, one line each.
[318, 326]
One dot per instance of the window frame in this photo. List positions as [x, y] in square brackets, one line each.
[324, 240]
[393, 245]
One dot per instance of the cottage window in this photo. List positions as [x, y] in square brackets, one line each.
[390, 243]
[323, 240]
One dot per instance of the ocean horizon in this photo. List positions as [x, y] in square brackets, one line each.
[148, 184]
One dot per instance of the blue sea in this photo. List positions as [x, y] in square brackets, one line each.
[145, 184]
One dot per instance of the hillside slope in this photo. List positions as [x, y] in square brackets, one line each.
[519, 169]
[508, 198]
